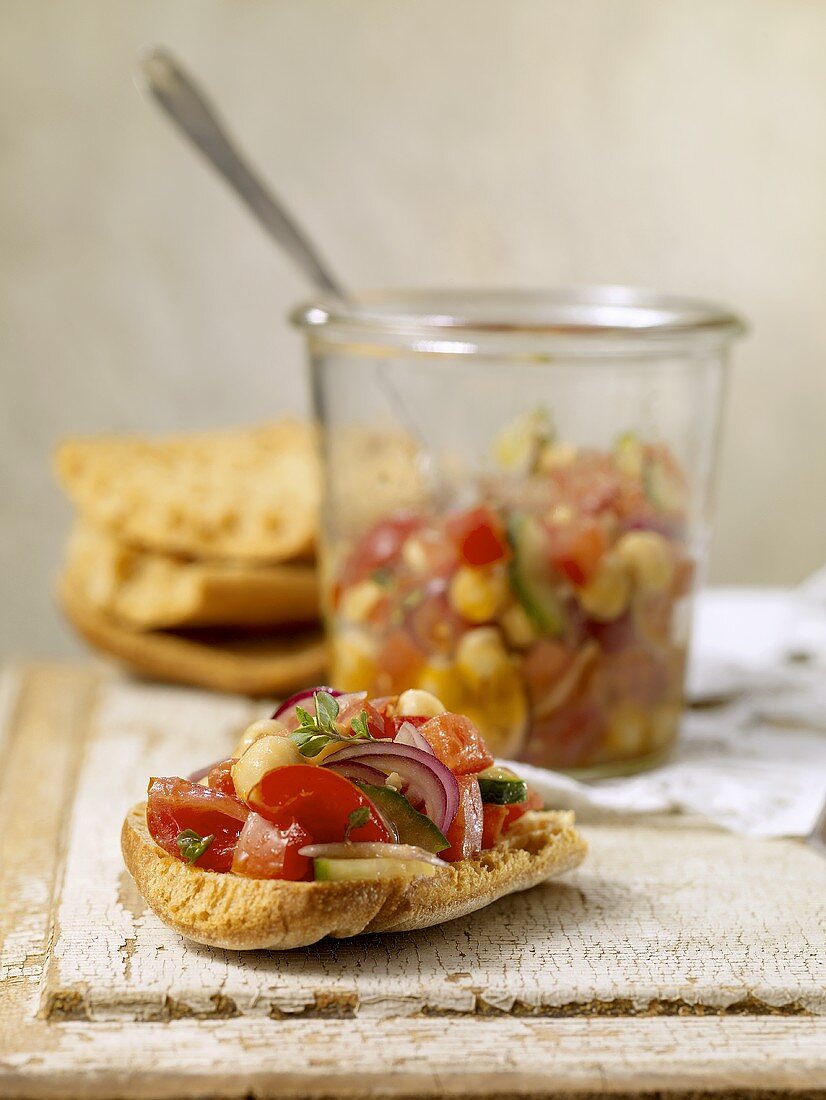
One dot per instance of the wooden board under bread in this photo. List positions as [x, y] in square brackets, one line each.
[677, 957]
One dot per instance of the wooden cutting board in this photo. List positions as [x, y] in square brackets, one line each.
[678, 958]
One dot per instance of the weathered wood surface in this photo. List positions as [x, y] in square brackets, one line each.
[677, 957]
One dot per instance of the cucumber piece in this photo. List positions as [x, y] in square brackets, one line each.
[530, 575]
[412, 827]
[501, 787]
[370, 870]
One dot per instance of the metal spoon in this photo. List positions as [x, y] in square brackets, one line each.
[161, 77]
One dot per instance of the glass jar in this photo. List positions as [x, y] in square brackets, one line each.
[517, 489]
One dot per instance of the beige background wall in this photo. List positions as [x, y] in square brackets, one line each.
[675, 143]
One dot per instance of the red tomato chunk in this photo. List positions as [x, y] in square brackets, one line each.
[378, 548]
[465, 833]
[174, 805]
[493, 822]
[318, 800]
[576, 549]
[457, 743]
[265, 850]
[220, 778]
[479, 536]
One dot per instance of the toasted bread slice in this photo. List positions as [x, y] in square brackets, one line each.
[246, 662]
[245, 914]
[147, 590]
[244, 495]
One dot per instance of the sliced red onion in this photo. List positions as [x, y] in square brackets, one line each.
[357, 772]
[197, 776]
[302, 697]
[369, 850]
[428, 779]
[409, 735]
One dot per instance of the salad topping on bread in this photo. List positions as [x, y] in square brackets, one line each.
[338, 816]
[339, 787]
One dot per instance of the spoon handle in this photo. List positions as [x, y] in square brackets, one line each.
[190, 110]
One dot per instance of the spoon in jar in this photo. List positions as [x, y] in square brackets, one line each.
[160, 76]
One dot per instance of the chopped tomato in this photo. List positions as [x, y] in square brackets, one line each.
[318, 800]
[265, 850]
[576, 549]
[457, 743]
[220, 778]
[634, 673]
[384, 706]
[379, 547]
[545, 663]
[518, 809]
[567, 737]
[592, 486]
[434, 623]
[399, 661]
[479, 536]
[351, 706]
[436, 553]
[174, 805]
[417, 720]
[394, 722]
[465, 833]
[493, 822]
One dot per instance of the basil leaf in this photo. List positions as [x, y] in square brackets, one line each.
[326, 710]
[192, 846]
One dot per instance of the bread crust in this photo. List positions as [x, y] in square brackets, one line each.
[243, 494]
[248, 664]
[243, 914]
[147, 590]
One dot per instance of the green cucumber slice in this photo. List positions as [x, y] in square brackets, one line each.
[412, 827]
[530, 575]
[501, 787]
[370, 870]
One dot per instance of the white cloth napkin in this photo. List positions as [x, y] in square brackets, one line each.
[755, 764]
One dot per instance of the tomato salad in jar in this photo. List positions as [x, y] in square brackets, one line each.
[551, 610]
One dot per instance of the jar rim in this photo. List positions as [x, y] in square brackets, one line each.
[588, 313]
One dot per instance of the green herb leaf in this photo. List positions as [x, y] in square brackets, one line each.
[311, 742]
[359, 726]
[356, 819]
[192, 846]
[326, 710]
[304, 717]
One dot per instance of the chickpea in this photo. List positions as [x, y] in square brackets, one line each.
[478, 593]
[414, 701]
[358, 601]
[481, 656]
[649, 559]
[607, 594]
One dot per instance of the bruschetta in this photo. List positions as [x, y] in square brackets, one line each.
[340, 816]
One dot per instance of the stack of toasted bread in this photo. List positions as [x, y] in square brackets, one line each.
[192, 558]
